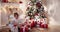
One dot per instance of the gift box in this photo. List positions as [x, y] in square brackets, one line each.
[35, 23]
[21, 29]
[41, 25]
[25, 29]
[32, 24]
[45, 26]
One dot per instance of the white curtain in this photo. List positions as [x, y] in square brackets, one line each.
[53, 8]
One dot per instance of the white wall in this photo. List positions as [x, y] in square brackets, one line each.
[4, 14]
[53, 8]
[0, 14]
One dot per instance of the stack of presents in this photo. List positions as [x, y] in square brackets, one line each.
[33, 23]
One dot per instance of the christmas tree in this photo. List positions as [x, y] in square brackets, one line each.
[35, 8]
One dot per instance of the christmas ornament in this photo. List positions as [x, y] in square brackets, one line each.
[20, 2]
[38, 4]
[4, 1]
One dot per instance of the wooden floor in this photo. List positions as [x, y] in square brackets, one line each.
[50, 29]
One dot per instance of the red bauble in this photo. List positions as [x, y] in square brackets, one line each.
[38, 4]
[20, 2]
[27, 9]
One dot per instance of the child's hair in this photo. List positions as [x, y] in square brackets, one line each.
[16, 14]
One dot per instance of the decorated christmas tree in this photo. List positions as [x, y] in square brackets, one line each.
[35, 8]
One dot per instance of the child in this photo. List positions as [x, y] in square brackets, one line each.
[13, 24]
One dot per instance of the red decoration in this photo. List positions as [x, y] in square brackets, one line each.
[41, 25]
[32, 24]
[45, 26]
[27, 9]
[26, 29]
[20, 2]
[5, 1]
[36, 14]
[21, 29]
[38, 5]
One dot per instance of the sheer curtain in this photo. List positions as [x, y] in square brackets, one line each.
[53, 9]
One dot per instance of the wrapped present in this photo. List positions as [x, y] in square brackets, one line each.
[32, 24]
[35, 23]
[21, 29]
[41, 25]
[45, 26]
[24, 29]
